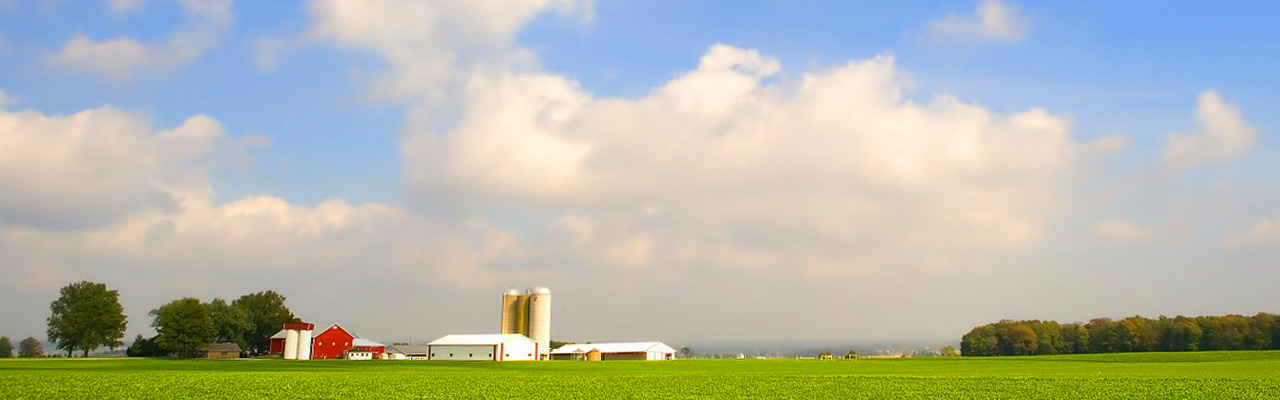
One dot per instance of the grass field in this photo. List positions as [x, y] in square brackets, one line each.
[1206, 375]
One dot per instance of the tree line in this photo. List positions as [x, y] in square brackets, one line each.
[1132, 334]
[87, 316]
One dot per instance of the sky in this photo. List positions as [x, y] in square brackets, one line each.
[691, 172]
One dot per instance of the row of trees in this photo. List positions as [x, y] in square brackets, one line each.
[1132, 334]
[28, 348]
[184, 325]
[88, 315]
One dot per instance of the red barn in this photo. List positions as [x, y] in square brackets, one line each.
[332, 343]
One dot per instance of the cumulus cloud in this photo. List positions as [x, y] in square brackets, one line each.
[992, 20]
[1223, 135]
[124, 57]
[94, 166]
[430, 43]
[1122, 231]
[808, 167]
[1108, 144]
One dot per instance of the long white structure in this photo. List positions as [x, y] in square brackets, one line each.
[529, 314]
[499, 347]
[640, 351]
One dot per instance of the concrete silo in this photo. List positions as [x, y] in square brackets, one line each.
[529, 314]
[540, 319]
[511, 311]
[297, 340]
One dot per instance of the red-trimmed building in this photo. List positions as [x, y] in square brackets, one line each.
[332, 343]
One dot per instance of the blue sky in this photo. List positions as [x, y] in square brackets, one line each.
[697, 148]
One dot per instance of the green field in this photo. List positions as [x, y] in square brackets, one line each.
[1206, 375]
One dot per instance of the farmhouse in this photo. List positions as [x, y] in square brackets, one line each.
[643, 351]
[496, 347]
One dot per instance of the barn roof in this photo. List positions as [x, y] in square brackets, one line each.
[222, 347]
[629, 347]
[408, 349]
[488, 339]
[362, 342]
[278, 335]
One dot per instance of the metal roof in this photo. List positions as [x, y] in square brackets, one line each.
[222, 347]
[408, 349]
[362, 342]
[628, 347]
[480, 340]
[278, 335]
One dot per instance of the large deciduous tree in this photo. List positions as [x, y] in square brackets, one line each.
[232, 323]
[30, 348]
[86, 316]
[6, 347]
[183, 326]
[266, 313]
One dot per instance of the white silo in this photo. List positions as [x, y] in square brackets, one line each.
[290, 343]
[304, 344]
[511, 311]
[540, 319]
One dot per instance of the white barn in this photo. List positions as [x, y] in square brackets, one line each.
[640, 351]
[496, 347]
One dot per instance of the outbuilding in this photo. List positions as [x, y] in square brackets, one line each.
[495, 347]
[639, 351]
[407, 352]
[216, 351]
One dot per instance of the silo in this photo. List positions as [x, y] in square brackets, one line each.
[540, 319]
[290, 344]
[304, 344]
[510, 311]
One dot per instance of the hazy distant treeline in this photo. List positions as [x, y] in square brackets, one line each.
[1133, 334]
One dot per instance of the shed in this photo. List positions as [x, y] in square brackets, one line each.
[216, 351]
[495, 347]
[408, 352]
[641, 351]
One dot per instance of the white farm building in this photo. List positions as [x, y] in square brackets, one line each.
[639, 351]
[495, 347]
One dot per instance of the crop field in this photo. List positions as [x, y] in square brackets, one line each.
[1206, 375]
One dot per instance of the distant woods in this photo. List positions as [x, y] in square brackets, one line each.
[1133, 334]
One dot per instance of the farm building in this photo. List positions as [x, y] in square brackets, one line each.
[496, 347]
[221, 350]
[641, 351]
[331, 343]
[407, 352]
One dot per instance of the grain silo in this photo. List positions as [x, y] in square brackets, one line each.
[511, 311]
[540, 319]
[529, 314]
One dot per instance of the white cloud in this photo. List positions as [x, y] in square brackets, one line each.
[94, 166]
[1263, 233]
[122, 57]
[780, 168]
[1123, 231]
[431, 43]
[992, 20]
[1223, 135]
[7, 100]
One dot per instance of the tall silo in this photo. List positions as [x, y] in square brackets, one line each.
[290, 343]
[540, 319]
[511, 311]
[304, 344]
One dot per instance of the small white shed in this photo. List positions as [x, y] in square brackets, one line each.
[495, 347]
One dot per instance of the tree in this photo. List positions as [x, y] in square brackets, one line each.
[685, 352]
[1075, 339]
[853, 353]
[86, 316]
[143, 347]
[980, 341]
[266, 314]
[30, 348]
[183, 326]
[6, 347]
[948, 352]
[232, 323]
